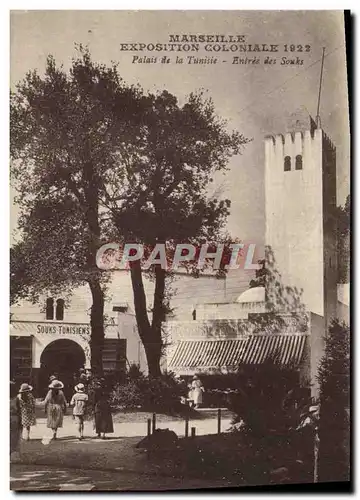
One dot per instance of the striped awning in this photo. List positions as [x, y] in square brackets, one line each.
[254, 349]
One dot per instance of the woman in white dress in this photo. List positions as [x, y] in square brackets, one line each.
[197, 391]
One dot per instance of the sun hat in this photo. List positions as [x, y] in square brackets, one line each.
[80, 387]
[56, 384]
[25, 388]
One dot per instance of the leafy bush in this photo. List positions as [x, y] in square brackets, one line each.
[134, 373]
[267, 399]
[150, 394]
[127, 396]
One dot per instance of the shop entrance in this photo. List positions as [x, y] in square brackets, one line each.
[61, 358]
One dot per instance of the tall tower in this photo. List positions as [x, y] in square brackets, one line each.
[300, 200]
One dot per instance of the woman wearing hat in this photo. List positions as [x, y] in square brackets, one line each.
[79, 402]
[197, 391]
[55, 406]
[26, 403]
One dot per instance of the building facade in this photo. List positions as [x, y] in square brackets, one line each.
[300, 202]
[53, 335]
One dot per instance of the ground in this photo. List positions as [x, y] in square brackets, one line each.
[46, 478]
[113, 464]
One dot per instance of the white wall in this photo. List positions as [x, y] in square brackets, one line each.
[232, 310]
[187, 293]
[294, 213]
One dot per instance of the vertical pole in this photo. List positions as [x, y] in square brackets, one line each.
[219, 421]
[193, 432]
[318, 124]
[153, 422]
[149, 427]
[187, 426]
[316, 457]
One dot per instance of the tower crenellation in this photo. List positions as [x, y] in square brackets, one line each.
[300, 194]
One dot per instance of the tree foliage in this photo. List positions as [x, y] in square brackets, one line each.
[66, 133]
[343, 215]
[51, 254]
[93, 160]
[166, 195]
[283, 303]
[334, 380]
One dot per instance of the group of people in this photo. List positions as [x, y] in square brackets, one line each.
[23, 416]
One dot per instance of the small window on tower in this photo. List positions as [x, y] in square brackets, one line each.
[298, 162]
[194, 314]
[60, 309]
[287, 163]
[49, 308]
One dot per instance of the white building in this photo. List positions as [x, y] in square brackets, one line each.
[53, 335]
[210, 328]
[300, 197]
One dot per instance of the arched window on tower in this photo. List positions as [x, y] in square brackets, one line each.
[287, 163]
[60, 309]
[50, 308]
[194, 314]
[298, 162]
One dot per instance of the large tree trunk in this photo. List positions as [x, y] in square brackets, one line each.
[98, 298]
[97, 327]
[151, 342]
[158, 309]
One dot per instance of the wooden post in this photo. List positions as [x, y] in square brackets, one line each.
[219, 421]
[193, 432]
[153, 422]
[187, 426]
[149, 427]
[316, 456]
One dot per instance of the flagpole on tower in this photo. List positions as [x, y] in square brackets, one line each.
[318, 121]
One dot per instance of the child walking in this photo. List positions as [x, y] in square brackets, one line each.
[26, 402]
[79, 401]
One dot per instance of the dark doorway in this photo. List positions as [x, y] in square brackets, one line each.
[62, 358]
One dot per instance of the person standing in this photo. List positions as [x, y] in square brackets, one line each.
[15, 421]
[55, 406]
[79, 402]
[197, 391]
[26, 403]
[190, 398]
[102, 411]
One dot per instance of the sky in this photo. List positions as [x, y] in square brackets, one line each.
[254, 99]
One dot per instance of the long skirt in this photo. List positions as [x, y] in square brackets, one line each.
[55, 415]
[197, 396]
[103, 420]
